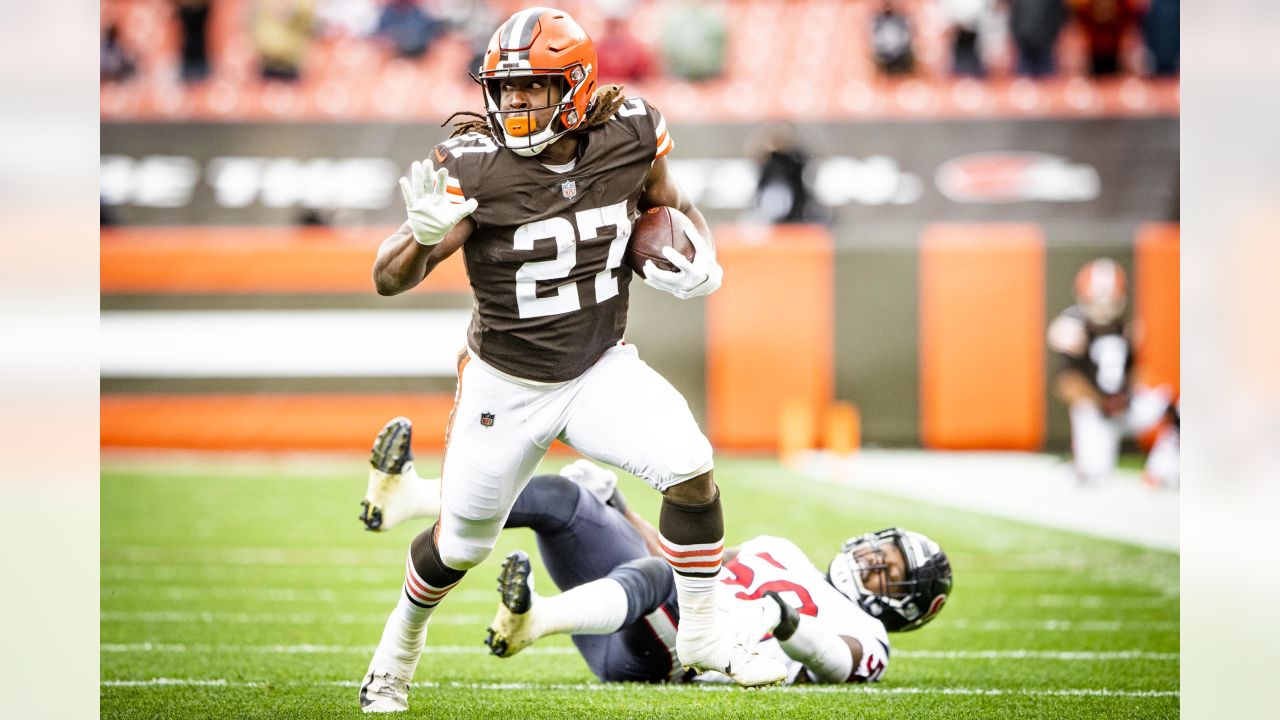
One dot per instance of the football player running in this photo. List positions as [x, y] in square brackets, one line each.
[1095, 345]
[619, 602]
[540, 194]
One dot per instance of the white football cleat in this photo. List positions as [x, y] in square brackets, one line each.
[391, 465]
[382, 692]
[592, 478]
[512, 629]
[745, 667]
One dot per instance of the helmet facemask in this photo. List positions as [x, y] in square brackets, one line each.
[519, 130]
[905, 604]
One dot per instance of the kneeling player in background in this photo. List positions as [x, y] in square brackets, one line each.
[1096, 346]
[618, 599]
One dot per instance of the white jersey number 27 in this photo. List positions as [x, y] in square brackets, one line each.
[565, 299]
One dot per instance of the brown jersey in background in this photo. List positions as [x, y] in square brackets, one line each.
[545, 258]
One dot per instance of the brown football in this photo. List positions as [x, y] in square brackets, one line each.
[657, 228]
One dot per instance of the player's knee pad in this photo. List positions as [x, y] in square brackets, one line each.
[466, 543]
[647, 582]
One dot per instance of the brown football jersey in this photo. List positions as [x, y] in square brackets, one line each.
[545, 258]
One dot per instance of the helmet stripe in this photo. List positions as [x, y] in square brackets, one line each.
[519, 34]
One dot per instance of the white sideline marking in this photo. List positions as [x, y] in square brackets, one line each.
[845, 688]
[149, 554]
[1099, 601]
[305, 649]
[1058, 625]
[147, 647]
[243, 618]
[1025, 487]
[386, 596]
[1070, 655]
[163, 616]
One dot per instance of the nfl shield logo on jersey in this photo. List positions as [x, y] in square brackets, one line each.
[569, 189]
[486, 419]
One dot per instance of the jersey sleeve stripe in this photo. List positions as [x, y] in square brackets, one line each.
[665, 145]
[454, 190]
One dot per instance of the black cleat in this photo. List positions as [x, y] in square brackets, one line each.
[512, 630]
[392, 449]
[392, 454]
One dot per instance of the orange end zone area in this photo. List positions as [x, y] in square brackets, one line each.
[1156, 304]
[268, 422]
[216, 260]
[982, 347]
[770, 333]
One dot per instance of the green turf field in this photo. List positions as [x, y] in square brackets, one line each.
[247, 588]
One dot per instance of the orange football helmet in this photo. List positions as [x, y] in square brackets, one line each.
[539, 41]
[1100, 291]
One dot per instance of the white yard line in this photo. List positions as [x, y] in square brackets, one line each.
[306, 649]
[385, 596]
[241, 618]
[302, 618]
[846, 688]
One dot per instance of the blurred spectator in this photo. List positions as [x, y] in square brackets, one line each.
[193, 21]
[347, 18]
[1105, 23]
[966, 18]
[622, 57]
[781, 193]
[115, 62]
[891, 41]
[693, 41]
[1160, 31]
[1035, 25]
[408, 28]
[475, 22]
[282, 36]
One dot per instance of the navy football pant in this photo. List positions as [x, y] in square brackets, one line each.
[582, 539]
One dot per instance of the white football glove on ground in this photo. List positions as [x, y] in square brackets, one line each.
[752, 620]
[697, 277]
[433, 211]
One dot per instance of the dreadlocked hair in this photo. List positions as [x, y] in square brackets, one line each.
[604, 104]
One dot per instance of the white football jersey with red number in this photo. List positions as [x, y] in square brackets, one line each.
[767, 563]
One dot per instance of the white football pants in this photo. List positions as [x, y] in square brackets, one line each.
[1095, 438]
[620, 412]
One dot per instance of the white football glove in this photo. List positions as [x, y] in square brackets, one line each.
[433, 211]
[751, 620]
[695, 278]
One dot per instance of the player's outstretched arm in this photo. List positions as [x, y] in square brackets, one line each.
[403, 262]
[831, 657]
[439, 222]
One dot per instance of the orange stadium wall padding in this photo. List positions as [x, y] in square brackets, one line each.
[769, 332]
[1156, 303]
[268, 421]
[982, 347]
[217, 260]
